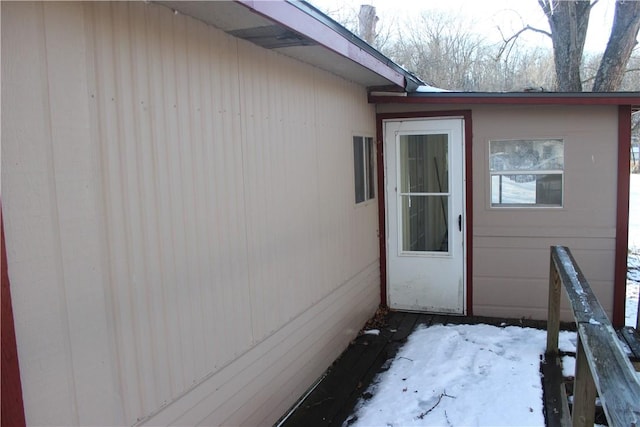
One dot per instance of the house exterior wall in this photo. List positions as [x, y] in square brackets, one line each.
[183, 243]
[511, 245]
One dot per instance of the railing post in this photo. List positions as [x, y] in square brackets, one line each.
[584, 391]
[602, 367]
[553, 316]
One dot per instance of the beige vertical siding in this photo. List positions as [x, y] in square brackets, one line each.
[51, 194]
[511, 246]
[183, 242]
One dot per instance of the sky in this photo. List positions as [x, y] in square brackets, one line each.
[510, 15]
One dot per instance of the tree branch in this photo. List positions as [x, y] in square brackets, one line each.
[526, 28]
[546, 6]
[444, 394]
[628, 70]
[511, 40]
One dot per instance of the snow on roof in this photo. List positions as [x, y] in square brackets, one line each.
[427, 88]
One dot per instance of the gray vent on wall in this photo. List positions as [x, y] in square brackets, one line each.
[272, 37]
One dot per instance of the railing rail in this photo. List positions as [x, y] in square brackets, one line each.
[602, 366]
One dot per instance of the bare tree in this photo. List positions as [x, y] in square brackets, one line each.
[353, 19]
[631, 80]
[568, 22]
[440, 48]
[626, 24]
[367, 20]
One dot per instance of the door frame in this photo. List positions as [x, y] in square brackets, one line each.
[468, 188]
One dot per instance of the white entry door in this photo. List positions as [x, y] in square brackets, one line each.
[425, 215]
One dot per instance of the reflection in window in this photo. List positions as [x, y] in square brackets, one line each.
[526, 172]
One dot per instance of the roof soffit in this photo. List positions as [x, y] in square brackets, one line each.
[285, 28]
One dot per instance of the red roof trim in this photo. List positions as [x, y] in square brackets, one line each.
[297, 20]
[510, 99]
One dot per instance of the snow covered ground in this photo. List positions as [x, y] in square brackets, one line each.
[634, 212]
[461, 375]
[631, 306]
[513, 192]
[481, 375]
[633, 276]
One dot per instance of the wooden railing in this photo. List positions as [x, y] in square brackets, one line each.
[602, 366]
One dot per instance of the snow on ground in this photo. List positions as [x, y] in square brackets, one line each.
[568, 366]
[513, 191]
[633, 264]
[634, 212]
[460, 375]
[631, 306]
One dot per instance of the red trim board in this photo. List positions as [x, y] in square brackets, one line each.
[622, 215]
[12, 403]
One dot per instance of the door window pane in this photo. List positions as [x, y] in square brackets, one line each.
[424, 186]
[424, 164]
[424, 224]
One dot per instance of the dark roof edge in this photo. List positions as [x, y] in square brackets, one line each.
[530, 98]
[313, 24]
[412, 82]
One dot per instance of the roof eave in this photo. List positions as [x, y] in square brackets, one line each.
[305, 19]
[514, 98]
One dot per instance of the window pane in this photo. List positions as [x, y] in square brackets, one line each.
[370, 168]
[526, 172]
[358, 167]
[549, 190]
[424, 224]
[522, 189]
[518, 155]
[423, 164]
